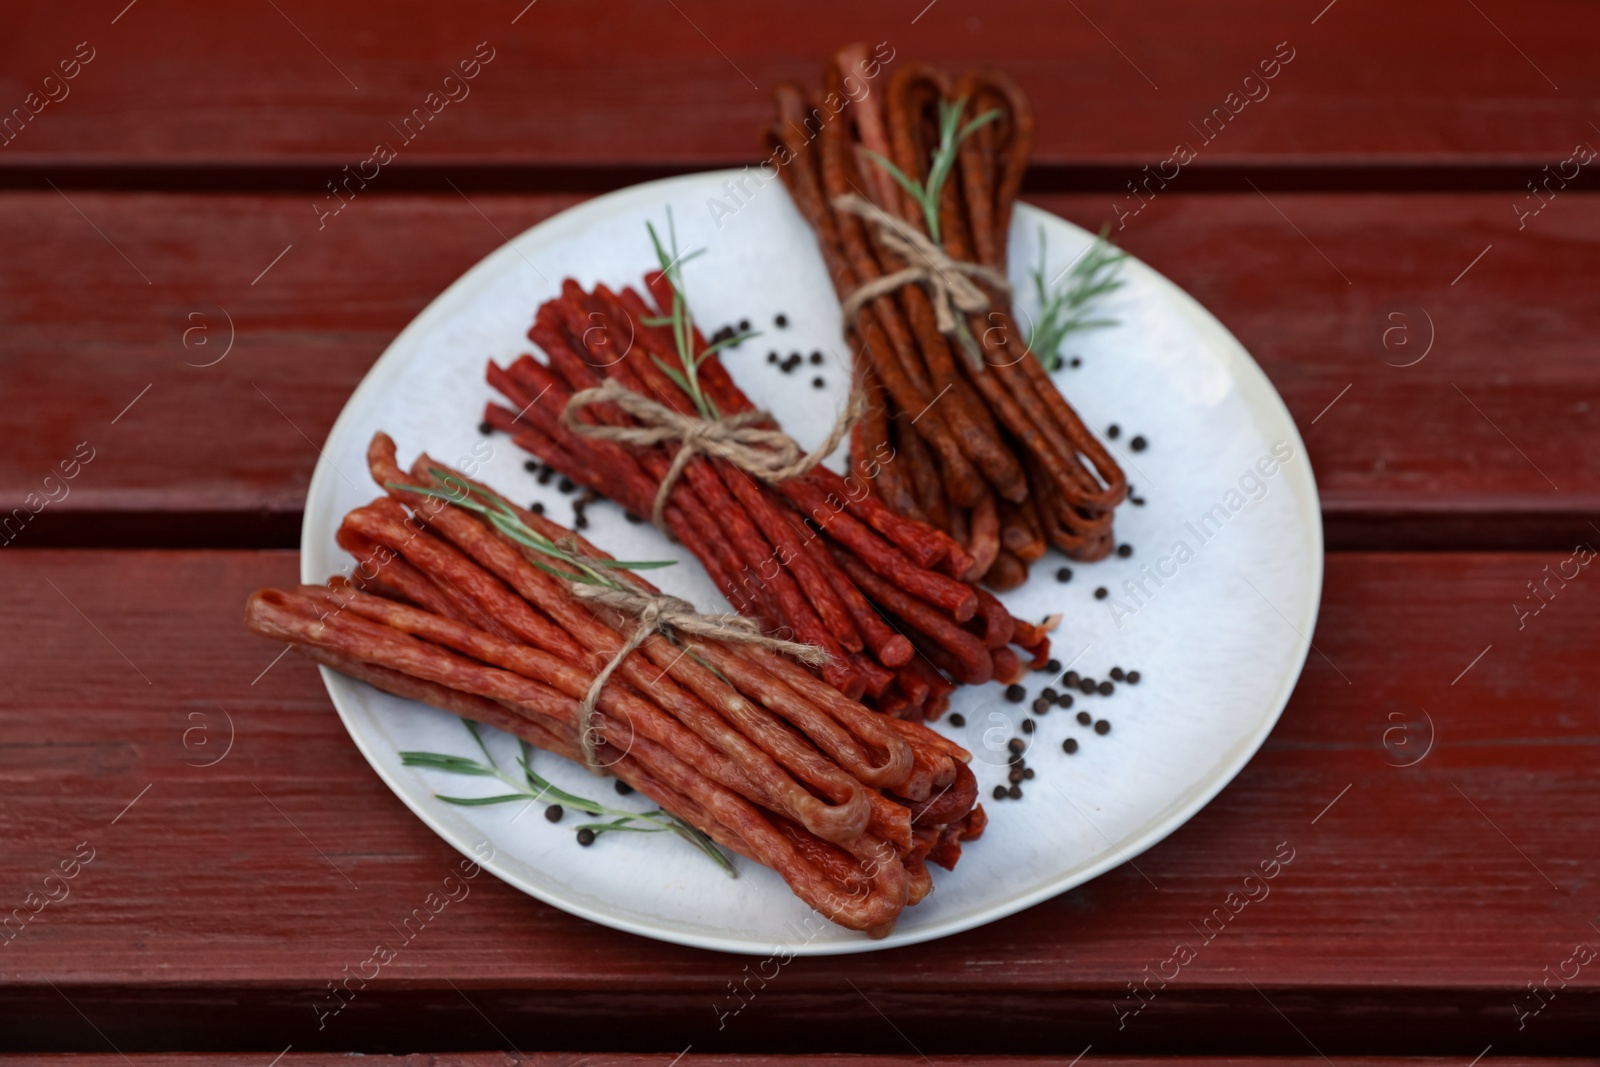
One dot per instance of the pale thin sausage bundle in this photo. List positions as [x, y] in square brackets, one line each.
[847, 804]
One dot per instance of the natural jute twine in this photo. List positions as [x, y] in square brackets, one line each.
[663, 613]
[770, 455]
[949, 281]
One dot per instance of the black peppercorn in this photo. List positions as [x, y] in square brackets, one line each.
[957, 719]
[1113, 431]
[1041, 706]
[1070, 745]
[1064, 700]
[1106, 689]
[1084, 718]
[1138, 444]
[554, 813]
[1102, 727]
[1117, 675]
[1000, 792]
[781, 320]
[1016, 745]
[1100, 593]
[817, 382]
[530, 465]
[1027, 726]
[623, 788]
[1015, 693]
[1015, 792]
[816, 358]
[1063, 574]
[1054, 666]
[585, 838]
[1133, 677]
[566, 485]
[537, 507]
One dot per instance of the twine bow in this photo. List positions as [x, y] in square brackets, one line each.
[949, 281]
[660, 612]
[770, 455]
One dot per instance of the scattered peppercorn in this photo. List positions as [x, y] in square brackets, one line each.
[530, 465]
[1064, 700]
[1084, 718]
[772, 357]
[957, 719]
[1027, 726]
[1070, 745]
[1138, 443]
[566, 485]
[1049, 695]
[623, 788]
[485, 428]
[1133, 677]
[1106, 689]
[631, 517]
[1000, 792]
[1075, 362]
[781, 320]
[1054, 666]
[1015, 776]
[1015, 792]
[1015, 693]
[1102, 727]
[1016, 745]
[744, 325]
[537, 507]
[545, 474]
[1113, 431]
[1063, 574]
[1086, 687]
[580, 521]
[817, 382]
[585, 837]
[1027, 773]
[816, 358]
[554, 812]
[1100, 593]
[1124, 550]
[1041, 706]
[1117, 675]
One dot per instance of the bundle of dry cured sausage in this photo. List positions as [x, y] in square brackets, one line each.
[815, 556]
[994, 455]
[847, 804]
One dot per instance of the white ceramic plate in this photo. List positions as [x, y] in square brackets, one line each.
[1219, 643]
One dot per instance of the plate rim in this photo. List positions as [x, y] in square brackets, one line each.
[1242, 370]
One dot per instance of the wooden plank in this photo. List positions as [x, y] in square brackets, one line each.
[186, 84]
[1483, 442]
[1422, 900]
[692, 1059]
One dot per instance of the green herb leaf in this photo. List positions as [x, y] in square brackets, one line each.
[1067, 309]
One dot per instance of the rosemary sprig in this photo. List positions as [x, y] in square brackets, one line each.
[503, 517]
[534, 787]
[1066, 310]
[951, 134]
[687, 375]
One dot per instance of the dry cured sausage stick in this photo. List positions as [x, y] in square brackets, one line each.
[786, 550]
[971, 662]
[842, 821]
[924, 544]
[941, 591]
[983, 534]
[995, 623]
[734, 665]
[869, 441]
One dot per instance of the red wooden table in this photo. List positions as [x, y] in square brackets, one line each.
[175, 326]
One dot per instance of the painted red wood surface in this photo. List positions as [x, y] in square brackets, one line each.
[220, 899]
[1441, 363]
[693, 1059]
[686, 84]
